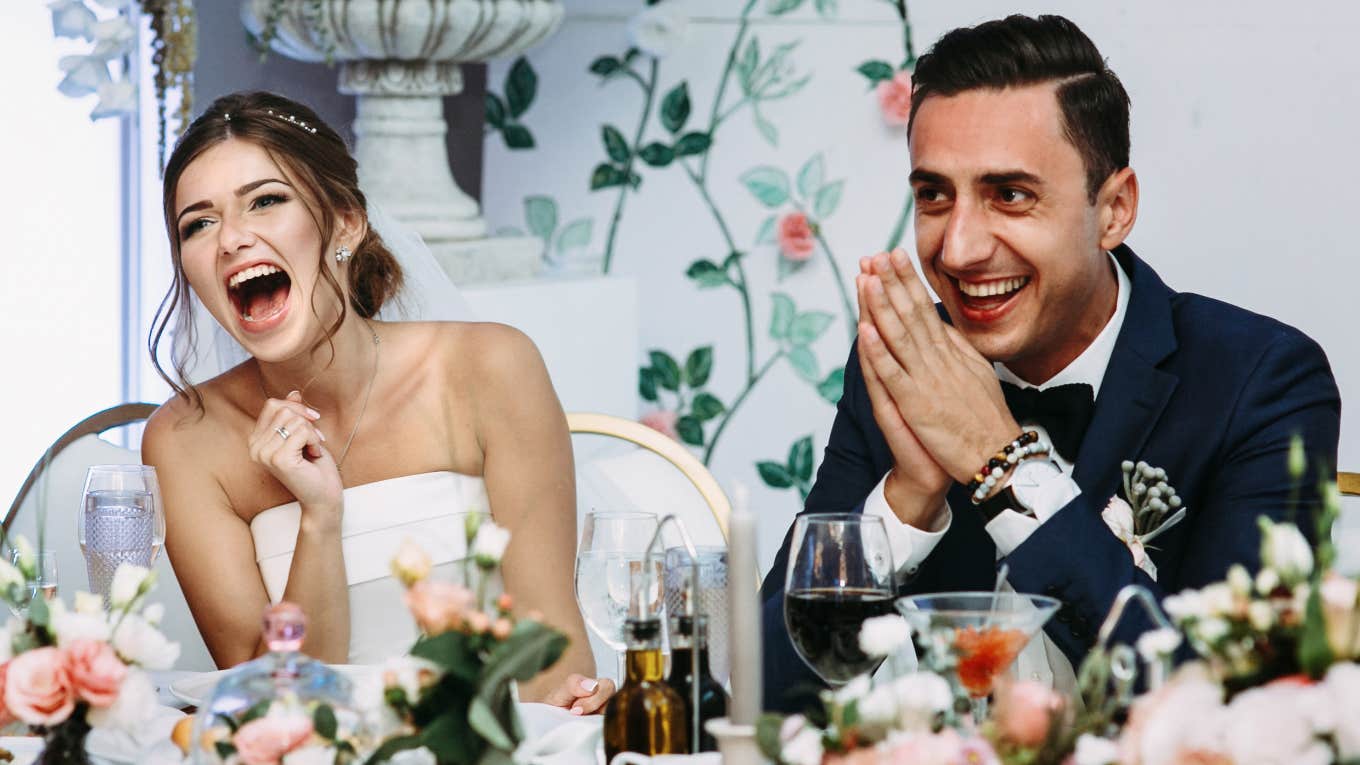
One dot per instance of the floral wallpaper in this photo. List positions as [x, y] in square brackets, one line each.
[737, 164]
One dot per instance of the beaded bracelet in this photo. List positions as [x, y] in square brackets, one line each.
[1026, 445]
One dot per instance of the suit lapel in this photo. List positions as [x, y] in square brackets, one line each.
[1134, 391]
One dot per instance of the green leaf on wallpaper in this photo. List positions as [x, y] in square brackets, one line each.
[634, 180]
[811, 176]
[782, 312]
[827, 8]
[495, 111]
[675, 108]
[800, 459]
[780, 7]
[769, 184]
[692, 143]
[614, 143]
[657, 154]
[832, 387]
[520, 86]
[804, 362]
[540, 213]
[775, 475]
[605, 175]
[788, 268]
[746, 64]
[517, 136]
[706, 273]
[765, 234]
[667, 371]
[575, 235]
[691, 430]
[698, 366]
[605, 66]
[808, 326]
[731, 260]
[876, 71]
[707, 406]
[767, 129]
[828, 199]
[647, 383]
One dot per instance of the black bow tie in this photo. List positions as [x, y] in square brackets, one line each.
[1063, 410]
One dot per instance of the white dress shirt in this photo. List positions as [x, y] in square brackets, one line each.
[910, 545]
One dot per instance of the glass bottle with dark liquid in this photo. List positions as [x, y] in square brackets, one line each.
[824, 625]
[689, 636]
[646, 715]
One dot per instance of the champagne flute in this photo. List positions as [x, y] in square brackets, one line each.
[122, 520]
[840, 573]
[610, 556]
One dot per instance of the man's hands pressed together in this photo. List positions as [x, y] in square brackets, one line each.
[936, 399]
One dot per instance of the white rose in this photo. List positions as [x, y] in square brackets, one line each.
[489, 546]
[154, 613]
[921, 697]
[88, 603]
[1270, 724]
[411, 563]
[878, 707]
[851, 691]
[801, 744]
[410, 674]
[1239, 581]
[315, 754]
[129, 582]
[1093, 750]
[1343, 687]
[137, 642]
[1260, 615]
[657, 30]
[71, 626]
[417, 756]
[1186, 606]
[1211, 630]
[136, 703]
[1284, 548]
[1266, 581]
[1159, 642]
[1219, 599]
[883, 635]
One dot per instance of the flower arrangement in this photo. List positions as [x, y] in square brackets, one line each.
[451, 700]
[284, 730]
[64, 671]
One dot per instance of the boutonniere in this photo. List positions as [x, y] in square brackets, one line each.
[1149, 507]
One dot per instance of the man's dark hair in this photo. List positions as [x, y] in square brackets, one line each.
[1021, 50]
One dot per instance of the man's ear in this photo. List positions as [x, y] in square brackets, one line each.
[1117, 207]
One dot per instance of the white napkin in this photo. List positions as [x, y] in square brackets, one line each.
[113, 746]
[554, 736]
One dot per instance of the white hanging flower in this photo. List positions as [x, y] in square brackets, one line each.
[116, 98]
[137, 642]
[800, 743]
[70, 18]
[84, 75]
[135, 705]
[883, 635]
[489, 546]
[129, 582]
[1093, 750]
[114, 37]
[1284, 549]
[657, 30]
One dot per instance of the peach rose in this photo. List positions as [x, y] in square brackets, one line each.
[265, 740]
[894, 99]
[5, 717]
[662, 422]
[501, 628]
[796, 239]
[38, 688]
[1025, 712]
[438, 606]
[96, 671]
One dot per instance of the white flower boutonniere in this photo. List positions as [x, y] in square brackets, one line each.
[1151, 508]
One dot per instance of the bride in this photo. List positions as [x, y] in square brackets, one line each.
[296, 474]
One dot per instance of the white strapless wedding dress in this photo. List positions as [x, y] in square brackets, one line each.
[378, 516]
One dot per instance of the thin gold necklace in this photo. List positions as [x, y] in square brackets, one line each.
[377, 350]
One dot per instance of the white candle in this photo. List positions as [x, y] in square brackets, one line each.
[744, 610]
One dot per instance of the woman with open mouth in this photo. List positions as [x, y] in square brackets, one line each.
[296, 474]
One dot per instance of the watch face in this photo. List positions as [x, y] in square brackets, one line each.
[1028, 479]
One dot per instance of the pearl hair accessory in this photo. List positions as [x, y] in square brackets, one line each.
[293, 120]
[343, 253]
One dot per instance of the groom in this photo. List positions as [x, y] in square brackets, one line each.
[1024, 196]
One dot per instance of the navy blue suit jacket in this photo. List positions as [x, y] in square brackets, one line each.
[1208, 391]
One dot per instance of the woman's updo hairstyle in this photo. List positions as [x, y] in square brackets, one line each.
[317, 158]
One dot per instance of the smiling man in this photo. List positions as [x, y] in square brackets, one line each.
[992, 426]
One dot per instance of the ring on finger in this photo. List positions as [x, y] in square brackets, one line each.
[282, 431]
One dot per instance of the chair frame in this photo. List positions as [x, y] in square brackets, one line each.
[1348, 483]
[664, 447]
[113, 417]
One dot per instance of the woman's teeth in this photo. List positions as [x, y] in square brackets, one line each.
[996, 287]
[253, 272]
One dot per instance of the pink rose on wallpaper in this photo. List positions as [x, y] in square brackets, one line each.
[894, 98]
[663, 422]
[265, 740]
[96, 671]
[796, 239]
[38, 688]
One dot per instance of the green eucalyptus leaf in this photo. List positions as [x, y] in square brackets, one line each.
[667, 370]
[832, 387]
[225, 750]
[614, 143]
[774, 475]
[692, 143]
[782, 312]
[575, 236]
[804, 362]
[800, 459]
[698, 366]
[647, 384]
[540, 214]
[828, 198]
[706, 273]
[675, 108]
[392, 746]
[323, 721]
[452, 651]
[38, 612]
[520, 86]
[808, 326]
[707, 406]
[495, 110]
[876, 71]
[452, 740]
[255, 711]
[657, 154]
[517, 136]
[811, 176]
[691, 430]
[605, 176]
[767, 736]
[768, 184]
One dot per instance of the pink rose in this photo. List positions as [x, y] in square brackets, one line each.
[662, 422]
[796, 238]
[5, 717]
[1025, 712]
[265, 740]
[861, 756]
[38, 688]
[894, 99]
[96, 671]
[438, 606]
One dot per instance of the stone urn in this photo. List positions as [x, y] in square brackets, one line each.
[400, 58]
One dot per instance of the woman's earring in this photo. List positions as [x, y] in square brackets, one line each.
[343, 253]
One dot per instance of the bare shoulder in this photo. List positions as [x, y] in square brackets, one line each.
[182, 432]
[472, 350]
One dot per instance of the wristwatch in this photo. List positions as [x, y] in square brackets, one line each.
[1023, 491]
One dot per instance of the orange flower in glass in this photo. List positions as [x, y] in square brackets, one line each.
[985, 653]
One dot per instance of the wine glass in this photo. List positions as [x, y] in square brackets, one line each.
[121, 520]
[45, 581]
[840, 573]
[611, 554]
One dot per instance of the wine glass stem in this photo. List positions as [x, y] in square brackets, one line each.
[622, 663]
[979, 710]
